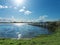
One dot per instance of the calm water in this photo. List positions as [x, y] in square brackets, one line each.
[20, 30]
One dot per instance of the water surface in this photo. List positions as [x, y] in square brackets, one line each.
[20, 30]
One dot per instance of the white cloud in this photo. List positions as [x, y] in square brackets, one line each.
[11, 19]
[24, 11]
[1, 6]
[5, 19]
[42, 18]
[27, 12]
[5, 6]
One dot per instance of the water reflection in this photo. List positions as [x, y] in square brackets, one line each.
[19, 24]
[20, 30]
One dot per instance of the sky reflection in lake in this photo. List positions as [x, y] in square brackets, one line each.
[21, 30]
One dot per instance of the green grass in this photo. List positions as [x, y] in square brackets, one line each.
[53, 39]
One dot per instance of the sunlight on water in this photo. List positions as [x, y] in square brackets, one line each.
[19, 36]
[19, 24]
[20, 30]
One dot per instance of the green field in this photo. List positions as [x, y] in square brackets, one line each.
[53, 39]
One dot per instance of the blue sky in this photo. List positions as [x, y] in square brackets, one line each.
[30, 9]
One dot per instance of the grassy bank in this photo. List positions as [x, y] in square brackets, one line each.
[53, 39]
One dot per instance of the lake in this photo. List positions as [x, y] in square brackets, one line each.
[20, 30]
